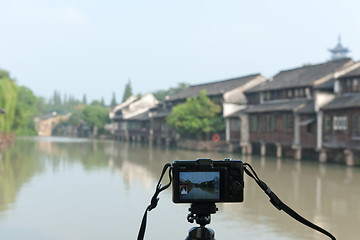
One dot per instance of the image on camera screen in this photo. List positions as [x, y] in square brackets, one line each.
[199, 186]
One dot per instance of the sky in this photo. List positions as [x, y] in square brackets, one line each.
[95, 47]
[199, 177]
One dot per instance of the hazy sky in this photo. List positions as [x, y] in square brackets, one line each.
[199, 177]
[94, 47]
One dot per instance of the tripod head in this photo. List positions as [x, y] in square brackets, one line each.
[200, 212]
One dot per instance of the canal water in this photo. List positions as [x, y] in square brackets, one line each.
[64, 189]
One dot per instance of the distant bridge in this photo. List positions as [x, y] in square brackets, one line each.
[44, 127]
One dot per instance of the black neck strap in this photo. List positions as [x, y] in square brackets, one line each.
[282, 206]
[273, 199]
[154, 200]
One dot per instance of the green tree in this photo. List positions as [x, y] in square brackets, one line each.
[25, 112]
[113, 100]
[128, 91]
[55, 104]
[76, 116]
[95, 116]
[56, 99]
[41, 106]
[84, 101]
[8, 100]
[197, 117]
[96, 103]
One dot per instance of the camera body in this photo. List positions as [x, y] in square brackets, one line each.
[208, 181]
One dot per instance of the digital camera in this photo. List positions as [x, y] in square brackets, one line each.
[208, 181]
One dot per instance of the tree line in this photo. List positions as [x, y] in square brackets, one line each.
[23, 107]
[20, 106]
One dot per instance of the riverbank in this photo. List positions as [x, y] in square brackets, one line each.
[6, 140]
[336, 156]
[200, 145]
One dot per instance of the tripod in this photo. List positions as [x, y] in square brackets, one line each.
[200, 212]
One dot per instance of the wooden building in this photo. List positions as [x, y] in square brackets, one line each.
[160, 132]
[130, 120]
[282, 112]
[229, 94]
[341, 121]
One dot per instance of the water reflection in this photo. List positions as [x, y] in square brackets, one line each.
[325, 194]
[16, 170]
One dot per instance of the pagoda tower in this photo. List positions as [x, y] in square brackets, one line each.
[339, 52]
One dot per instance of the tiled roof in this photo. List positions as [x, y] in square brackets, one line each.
[135, 108]
[349, 100]
[214, 88]
[309, 108]
[303, 76]
[292, 105]
[353, 73]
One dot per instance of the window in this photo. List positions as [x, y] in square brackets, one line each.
[355, 86]
[134, 125]
[274, 123]
[290, 93]
[234, 124]
[327, 123]
[311, 128]
[340, 123]
[254, 123]
[270, 122]
[301, 92]
[348, 85]
[356, 125]
[296, 92]
[272, 95]
[253, 98]
[217, 99]
[291, 122]
[288, 122]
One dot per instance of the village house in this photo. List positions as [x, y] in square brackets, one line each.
[306, 112]
[160, 132]
[282, 115]
[130, 121]
[227, 93]
[341, 121]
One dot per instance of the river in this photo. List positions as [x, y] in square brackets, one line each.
[64, 189]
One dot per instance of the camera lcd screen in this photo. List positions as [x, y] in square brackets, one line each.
[199, 186]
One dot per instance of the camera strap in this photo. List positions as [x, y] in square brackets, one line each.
[154, 200]
[282, 206]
